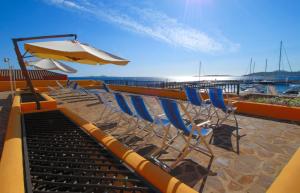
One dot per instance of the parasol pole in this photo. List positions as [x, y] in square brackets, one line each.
[21, 62]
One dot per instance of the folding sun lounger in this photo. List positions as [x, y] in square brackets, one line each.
[147, 116]
[127, 115]
[109, 107]
[217, 100]
[198, 104]
[188, 132]
[54, 91]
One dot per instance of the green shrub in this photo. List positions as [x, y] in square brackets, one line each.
[277, 100]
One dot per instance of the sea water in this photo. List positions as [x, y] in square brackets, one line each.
[280, 87]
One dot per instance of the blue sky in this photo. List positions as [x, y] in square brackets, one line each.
[164, 37]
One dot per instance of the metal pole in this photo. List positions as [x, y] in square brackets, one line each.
[6, 60]
[199, 70]
[266, 65]
[14, 78]
[250, 66]
[47, 37]
[280, 55]
[25, 72]
[22, 63]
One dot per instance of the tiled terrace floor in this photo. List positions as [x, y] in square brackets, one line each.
[265, 148]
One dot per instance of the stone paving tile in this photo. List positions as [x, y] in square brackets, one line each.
[264, 150]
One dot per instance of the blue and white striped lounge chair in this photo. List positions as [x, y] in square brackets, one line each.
[105, 87]
[198, 104]
[193, 134]
[147, 116]
[126, 115]
[217, 100]
[61, 88]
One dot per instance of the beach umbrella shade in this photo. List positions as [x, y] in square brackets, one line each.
[50, 64]
[73, 51]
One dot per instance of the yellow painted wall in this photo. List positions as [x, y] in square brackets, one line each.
[288, 181]
[43, 84]
[11, 165]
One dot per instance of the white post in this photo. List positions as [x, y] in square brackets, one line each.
[14, 79]
[6, 60]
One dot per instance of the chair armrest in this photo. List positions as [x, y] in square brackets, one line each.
[203, 123]
[161, 115]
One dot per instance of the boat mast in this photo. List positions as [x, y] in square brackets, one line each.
[200, 64]
[250, 66]
[266, 66]
[280, 55]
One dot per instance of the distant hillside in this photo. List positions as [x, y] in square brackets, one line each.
[274, 73]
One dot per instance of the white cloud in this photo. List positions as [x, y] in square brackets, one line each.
[151, 23]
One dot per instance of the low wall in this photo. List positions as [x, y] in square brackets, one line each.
[49, 104]
[11, 165]
[161, 92]
[42, 85]
[269, 110]
[168, 93]
[288, 179]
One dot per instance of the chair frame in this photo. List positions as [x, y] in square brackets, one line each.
[228, 110]
[202, 105]
[129, 118]
[189, 146]
[157, 120]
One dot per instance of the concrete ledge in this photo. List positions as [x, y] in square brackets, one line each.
[269, 110]
[152, 173]
[11, 165]
[43, 84]
[288, 179]
[49, 103]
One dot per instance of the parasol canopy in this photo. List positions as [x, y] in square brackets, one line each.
[73, 51]
[50, 64]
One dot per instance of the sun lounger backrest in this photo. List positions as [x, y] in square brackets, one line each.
[171, 110]
[105, 87]
[193, 96]
[68, 83]
[216, 98]
[75, 85]
[122, 103]
[140, 108]
[59, 85]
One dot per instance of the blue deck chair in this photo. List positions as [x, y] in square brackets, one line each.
[60, 89]
[149, 118]
[68, 83]
[126, 115]
[109, 108]
[188, 131]
[105, 87]
[76, 89]
[217, 100]
[198, 104]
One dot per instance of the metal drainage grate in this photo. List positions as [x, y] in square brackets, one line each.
[60, 157]
[29, 97]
